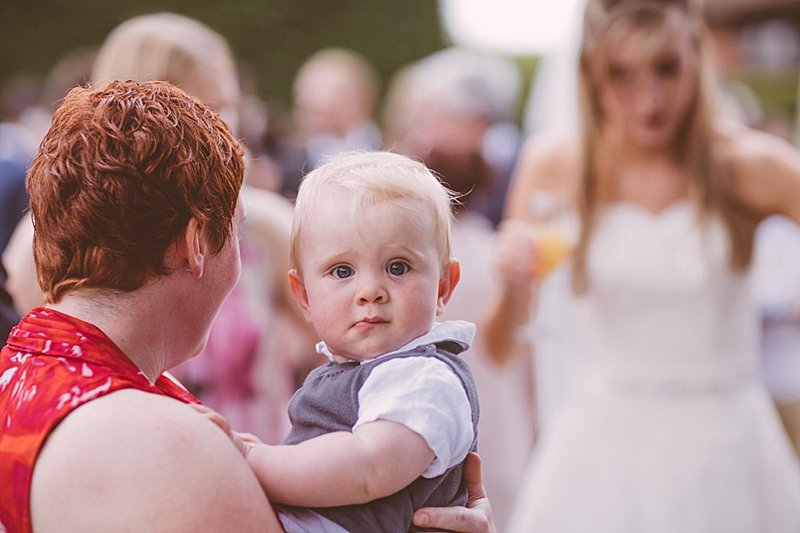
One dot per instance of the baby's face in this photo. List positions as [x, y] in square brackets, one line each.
[371, 279]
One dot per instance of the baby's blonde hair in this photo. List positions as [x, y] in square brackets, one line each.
[375, 178]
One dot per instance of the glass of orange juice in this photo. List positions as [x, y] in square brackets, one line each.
[554, 230]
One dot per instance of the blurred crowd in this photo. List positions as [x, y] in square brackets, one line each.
[457, 110]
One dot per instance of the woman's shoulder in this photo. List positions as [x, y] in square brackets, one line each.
[103, 435]
[743, 147]
[548, 162]
[142, 458]
[553, 147]
[126, 409]
[765, 169]
[550, 158]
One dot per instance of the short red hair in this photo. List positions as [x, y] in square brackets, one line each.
[117, 178]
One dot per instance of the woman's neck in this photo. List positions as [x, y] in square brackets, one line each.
[623, 149]
[130, 321]
[653, 179]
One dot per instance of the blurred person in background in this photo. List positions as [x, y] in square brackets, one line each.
[17, 148]
[16, 151]
[32, 118]
[335, 96]
[441, 117]
[666, 425]
[486, 93]
[27, 108]
[18, 138]
[256, 126]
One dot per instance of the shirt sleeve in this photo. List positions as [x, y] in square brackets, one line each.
[426, 396]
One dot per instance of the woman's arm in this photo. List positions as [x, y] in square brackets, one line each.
[546, 164]
[342, 468]
[514, 260]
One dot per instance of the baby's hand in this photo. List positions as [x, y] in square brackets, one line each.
[242, 441]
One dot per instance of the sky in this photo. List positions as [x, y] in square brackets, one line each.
[517, 27]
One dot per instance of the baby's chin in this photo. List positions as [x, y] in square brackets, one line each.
[368, 349]
[367, 355]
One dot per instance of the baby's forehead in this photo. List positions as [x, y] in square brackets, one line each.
[370, 216]
[379, 225]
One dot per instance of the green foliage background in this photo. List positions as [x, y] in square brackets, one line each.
[271, 37]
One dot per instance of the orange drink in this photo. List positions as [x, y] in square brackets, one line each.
[552, 247]
[555, 229]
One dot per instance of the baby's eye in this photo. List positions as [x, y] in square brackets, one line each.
[341, 272]
[398, 268]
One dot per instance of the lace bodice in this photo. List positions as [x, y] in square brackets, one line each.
[664, 308]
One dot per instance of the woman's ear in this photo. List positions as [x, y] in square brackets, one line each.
[192, 248]
[299, 292]
[447, 285]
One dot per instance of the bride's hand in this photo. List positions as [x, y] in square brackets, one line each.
[515, 254]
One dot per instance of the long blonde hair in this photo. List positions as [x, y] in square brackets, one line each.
[168, 47]
[605, 22]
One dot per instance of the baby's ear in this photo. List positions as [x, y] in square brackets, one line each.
[447, 285]
[299, 292]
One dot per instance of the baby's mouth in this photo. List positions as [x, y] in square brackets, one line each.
[370, 321]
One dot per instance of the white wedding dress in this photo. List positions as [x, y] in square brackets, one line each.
[666, 426]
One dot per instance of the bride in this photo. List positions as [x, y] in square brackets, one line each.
[666, 426]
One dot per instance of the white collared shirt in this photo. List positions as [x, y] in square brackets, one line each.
[423, 394]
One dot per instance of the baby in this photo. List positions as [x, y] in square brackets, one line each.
[384, 427]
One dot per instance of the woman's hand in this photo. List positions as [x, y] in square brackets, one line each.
[516, 266]
[476, 517]
[242, 441]
[515, 257]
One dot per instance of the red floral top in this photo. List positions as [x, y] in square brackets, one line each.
[52, 364]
